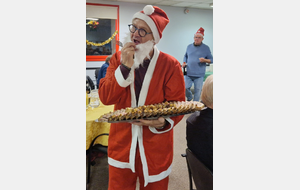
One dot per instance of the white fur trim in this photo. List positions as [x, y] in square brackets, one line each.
[132, 92]
[154, 130]
[198, 33]
[118, 164]
[135, 133]
[143, 156]
[149, 179]
[120, 79]
[150, 23]
[148, 77]
[148, 9]
[162, 175]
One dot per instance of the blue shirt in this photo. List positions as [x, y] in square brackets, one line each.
[102, 72]
[191, 57]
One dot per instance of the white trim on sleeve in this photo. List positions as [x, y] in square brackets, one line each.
[120, 79]
[154, 130]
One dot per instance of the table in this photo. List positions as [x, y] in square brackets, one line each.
[94, 128]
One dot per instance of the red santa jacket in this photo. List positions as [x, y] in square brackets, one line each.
[163, 81]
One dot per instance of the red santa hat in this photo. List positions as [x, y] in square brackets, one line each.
[200, 31]
[156, 19]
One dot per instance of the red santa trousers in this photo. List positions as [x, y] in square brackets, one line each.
[125, 179]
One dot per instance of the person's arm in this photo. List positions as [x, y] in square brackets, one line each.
[208, 59]
[125, 70]
[113, 86]
[185, 57]
[203, 60]
[128, 54]
[104, 72]
[159, 123]
[98, 78]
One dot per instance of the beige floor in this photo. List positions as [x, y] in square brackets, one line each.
[178, 178]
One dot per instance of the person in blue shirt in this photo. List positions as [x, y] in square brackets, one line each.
[102, 71]
[195, 59]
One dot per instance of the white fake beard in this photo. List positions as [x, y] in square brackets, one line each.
[143, 51]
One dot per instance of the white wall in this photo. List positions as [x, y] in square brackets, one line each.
[177, 34]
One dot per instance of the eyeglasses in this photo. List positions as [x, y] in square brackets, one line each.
[141, 31]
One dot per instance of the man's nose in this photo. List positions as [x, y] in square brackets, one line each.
[136, 33]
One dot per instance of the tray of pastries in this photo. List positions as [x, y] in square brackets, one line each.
[153, 111]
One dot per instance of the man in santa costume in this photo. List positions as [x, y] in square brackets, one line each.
[139, 75]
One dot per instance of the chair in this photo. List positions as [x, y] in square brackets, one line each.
[89, 84]
[96, 73]
[94, 149]
[202, 176]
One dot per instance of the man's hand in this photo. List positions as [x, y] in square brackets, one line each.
[157, 123]
[202, 60]
[184, 64]
[128, 53]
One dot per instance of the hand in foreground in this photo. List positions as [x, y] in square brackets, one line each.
[127, 54]
[157, 123]
[202, 60]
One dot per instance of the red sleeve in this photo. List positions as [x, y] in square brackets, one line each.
[110, 92]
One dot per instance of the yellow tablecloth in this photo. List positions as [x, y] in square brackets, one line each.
[94, 128]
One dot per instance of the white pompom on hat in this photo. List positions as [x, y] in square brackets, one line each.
[148, 9]
[156, 19]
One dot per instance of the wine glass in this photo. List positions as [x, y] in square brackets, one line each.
[94, 99]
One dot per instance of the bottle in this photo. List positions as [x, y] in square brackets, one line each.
[184, 70]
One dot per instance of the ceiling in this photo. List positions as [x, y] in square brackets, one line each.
[198, 4]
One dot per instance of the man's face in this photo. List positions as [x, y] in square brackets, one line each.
[198, 38]
[135, 37]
